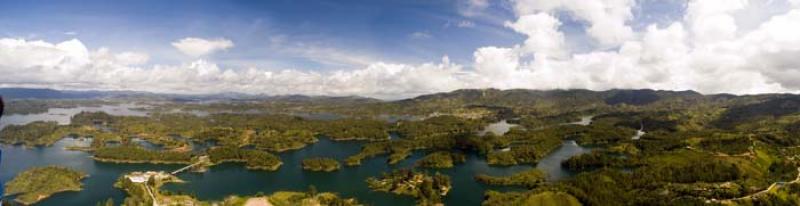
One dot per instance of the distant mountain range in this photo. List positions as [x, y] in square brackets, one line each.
[35, 93]
[466, 96]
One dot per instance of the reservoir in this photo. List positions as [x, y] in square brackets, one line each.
[233, 179]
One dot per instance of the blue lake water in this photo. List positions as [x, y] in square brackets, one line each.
[231, 178]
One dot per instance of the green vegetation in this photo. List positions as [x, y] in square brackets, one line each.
[519, 146]
[600, 159]
[529, 178]
[143, 188]
[108, 202]
[33, 134]
[438, 126]
[253, 159]
[441, 159]
[546, 198]
[354, 129]
[311, 198]
[276, 141]
[427, 189]
[321, 164]
[133, 154]
[36, 184]
[698, 149]
[447, 131]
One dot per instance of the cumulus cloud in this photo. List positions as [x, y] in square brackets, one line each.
[542, 31]
[607, 18]
[196, 47]
[706, 51]
[70, 65]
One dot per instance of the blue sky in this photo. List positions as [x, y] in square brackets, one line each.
[377, 30]
[400, 48]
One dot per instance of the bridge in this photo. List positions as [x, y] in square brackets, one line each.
[200, 160]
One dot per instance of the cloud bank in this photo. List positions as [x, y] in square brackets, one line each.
[706, 51]
[196, 47]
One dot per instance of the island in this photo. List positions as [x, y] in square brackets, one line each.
[253, 159]
[545, 198]
[320, 164]
[38, 183]
[441, 159]
[134, 154]
[696, 149]
[309, 198]
[528, 178]
[144, 188]
[427, 189]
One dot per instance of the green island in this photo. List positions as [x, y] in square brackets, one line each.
[133, 154]
[529, 178]
[640, 147]
[427, 189]
[546, 198]
[39, 133]
[253, 159]
[321, 164]
[143, 188]
[291, 198]
[520, 147]
[36, 184]
[441, 159]
[443, 132]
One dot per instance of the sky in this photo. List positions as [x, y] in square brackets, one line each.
[400, 48]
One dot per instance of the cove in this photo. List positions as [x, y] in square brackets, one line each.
[233, 179]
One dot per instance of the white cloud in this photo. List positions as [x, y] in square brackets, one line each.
[607, 18]
[70, 65]
[795, 3]
[196, 47]
[542, 31]
[708, 56]
[706, 50]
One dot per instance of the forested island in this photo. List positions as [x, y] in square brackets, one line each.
[441, 159]
[321, 164]
[144, 188]
[643, 147]
[427, 189]
[529, 178]
[253, 159]
[36, 184]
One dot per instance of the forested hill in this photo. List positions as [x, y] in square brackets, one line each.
[34, 93]
[575, 96]
[30, 93]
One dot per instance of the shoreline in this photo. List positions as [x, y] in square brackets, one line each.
[45, 196]
[138, 161]
[267, 168]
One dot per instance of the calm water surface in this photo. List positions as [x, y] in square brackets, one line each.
[231, 178]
